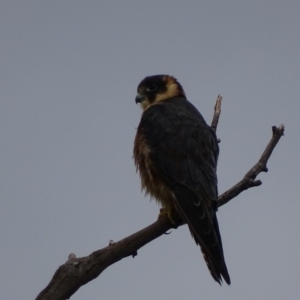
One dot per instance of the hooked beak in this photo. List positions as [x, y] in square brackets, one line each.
[139, 98]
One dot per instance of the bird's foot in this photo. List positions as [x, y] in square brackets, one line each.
[171, 214]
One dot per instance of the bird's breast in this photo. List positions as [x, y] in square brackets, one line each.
[152, 181]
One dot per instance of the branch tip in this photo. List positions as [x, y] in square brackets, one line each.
[217, 112]
[278, 130]
[71, 256]
[261, 166]
[256, 183]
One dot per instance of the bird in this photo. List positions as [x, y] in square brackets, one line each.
[176, 154]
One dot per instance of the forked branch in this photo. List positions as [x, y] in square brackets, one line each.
[261, 166]
[76, 272]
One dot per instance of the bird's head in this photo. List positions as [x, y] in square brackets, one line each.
[158, 88]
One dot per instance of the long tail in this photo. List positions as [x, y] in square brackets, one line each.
[214, 256]
[203, 224]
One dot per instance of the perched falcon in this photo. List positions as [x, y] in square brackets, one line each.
[176, 154]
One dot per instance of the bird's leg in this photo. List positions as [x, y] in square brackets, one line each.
[171, 214]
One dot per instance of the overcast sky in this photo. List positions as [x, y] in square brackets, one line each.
[69, 72]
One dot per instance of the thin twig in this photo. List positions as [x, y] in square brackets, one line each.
[261, 166]
[217, 112]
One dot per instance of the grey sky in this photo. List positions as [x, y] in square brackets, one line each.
[69, 72]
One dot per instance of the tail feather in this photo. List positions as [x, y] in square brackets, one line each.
[203, 224]
[216, 267]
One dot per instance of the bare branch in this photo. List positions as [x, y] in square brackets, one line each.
[261, 166]
[76, 272]
[217, 112]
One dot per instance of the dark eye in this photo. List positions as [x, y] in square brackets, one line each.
[151, 88]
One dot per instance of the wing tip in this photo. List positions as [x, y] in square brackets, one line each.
[220, 277]
[227, 278]
[217, 270]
